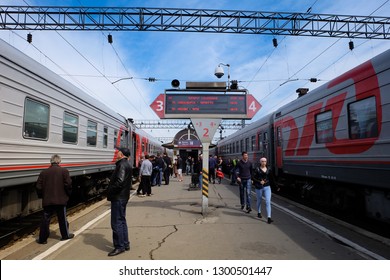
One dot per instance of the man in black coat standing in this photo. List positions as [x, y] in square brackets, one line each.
[167, 171]
[119, 194]
[54, 186]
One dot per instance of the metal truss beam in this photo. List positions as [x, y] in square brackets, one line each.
[181, 124]
[192, 20]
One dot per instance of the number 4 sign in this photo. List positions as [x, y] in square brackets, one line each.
[206, 128]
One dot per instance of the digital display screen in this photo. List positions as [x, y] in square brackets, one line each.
[223, 104]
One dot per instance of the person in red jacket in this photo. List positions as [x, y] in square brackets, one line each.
[54, 186]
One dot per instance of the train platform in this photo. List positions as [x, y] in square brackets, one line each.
[169, 225]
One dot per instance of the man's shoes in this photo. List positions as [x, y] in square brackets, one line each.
[259, 215]
[270, 220]
[242, 207]
[41, 242]
[116, 252]
[248, 210]
[127, 248]
[70, 236]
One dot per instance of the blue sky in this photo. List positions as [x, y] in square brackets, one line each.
[88, 61]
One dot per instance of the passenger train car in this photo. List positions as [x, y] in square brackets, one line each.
[331, 145]
[42, 114]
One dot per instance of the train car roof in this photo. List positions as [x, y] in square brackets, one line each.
[147, 135]
[11, 53]
[264, 120]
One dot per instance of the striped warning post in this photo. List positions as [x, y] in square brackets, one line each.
[205, 183]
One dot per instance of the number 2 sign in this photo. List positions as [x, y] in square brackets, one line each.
[206, 128]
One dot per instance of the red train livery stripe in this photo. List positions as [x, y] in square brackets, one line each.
[42, 166]
[366, 85]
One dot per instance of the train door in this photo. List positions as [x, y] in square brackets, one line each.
[137, 149]
[265, 144]
[279, 147]
[270, 147]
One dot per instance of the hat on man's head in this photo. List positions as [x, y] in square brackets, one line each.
[125, 151]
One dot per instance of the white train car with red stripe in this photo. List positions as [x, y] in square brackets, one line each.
[331, 145]
[42, 114]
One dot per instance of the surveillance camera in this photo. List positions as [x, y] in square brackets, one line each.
[219, 72]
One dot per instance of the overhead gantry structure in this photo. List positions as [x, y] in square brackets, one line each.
[193, 20]
[181, 124]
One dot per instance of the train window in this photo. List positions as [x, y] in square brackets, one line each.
[362, 118]
[115, 137]
[241, 146]
[265, 142]
[70, 128]
[91, 133]
[237, 147]
[36, 120]
[253, 143]
[324, 127]
[279, 136]
[105, 137]
[123, 137]
[258, 141]
[246, 144]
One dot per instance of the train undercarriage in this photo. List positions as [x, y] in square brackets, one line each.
[22, 200]
[338, 198]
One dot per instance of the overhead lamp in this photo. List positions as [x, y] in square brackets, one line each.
[29, 38]
[175, 83]
[351, 45]
[275, 42]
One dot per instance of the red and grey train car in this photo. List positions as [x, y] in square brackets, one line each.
[42, 114]
[332, 144]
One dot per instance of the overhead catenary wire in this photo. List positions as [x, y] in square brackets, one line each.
[314, 59]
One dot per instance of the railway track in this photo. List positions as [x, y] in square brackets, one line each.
[353, 218]
[15, 229]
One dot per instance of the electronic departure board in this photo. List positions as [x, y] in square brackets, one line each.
[205, 104]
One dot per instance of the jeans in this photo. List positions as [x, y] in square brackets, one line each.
[245, 193]
[266, 191]
[120, 235]
[234, 176]
[159, 177]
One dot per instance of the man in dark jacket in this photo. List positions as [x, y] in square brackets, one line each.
[119, 194]
[54, 186]
[167, 171]
[244, 176]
